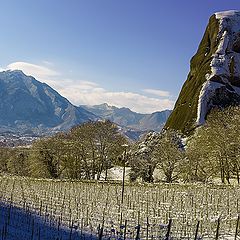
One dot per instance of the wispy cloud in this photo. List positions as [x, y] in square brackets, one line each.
[157, 92]
[38, 71]
[90, 93]
[136, 102]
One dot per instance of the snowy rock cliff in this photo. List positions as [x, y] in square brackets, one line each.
[214, 78]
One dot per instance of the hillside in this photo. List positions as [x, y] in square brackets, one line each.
[28, 105]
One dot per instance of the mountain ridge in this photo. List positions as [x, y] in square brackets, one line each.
[27, 103]
[125, 117]
[29, 106]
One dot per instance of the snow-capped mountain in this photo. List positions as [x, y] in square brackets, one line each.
[127, 118]
[27, 105]
[214, 78]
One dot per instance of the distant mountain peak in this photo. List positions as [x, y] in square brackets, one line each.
[104, 106]
[127, 118]
[15, 72]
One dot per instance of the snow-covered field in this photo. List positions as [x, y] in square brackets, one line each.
[48, 209]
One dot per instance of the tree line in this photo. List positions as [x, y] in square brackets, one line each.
[211, 154]
[87, 152]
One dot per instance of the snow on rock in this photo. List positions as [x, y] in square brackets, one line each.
[206, 93]
[227, 53]
[226, 13]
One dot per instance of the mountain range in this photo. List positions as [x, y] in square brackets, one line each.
[127, 118]
[29, 106]
[33, 107]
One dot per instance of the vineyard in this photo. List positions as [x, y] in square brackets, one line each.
[52, 209]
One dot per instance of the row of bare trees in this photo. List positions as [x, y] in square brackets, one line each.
[85, 152]
[214, 151]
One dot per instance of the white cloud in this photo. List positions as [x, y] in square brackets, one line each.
[38, 71]
[90, 93]
[134, 101]
[157, 92]
[45, 62]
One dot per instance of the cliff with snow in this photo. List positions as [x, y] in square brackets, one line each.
[214, 78]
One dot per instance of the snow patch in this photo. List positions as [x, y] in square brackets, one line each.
[224, 14]
[229, 32]
[115, 174]
[206, 93]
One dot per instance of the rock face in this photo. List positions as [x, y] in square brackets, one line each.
[214, 78]
[29, 105]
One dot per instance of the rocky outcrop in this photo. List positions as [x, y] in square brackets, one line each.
[214, 78]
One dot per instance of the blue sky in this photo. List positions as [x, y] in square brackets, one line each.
[132, 53]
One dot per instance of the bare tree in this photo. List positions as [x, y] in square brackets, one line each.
[169, 155]
[141, 158]
[199, 166]
[216, 145]
[47, 156]
[97, 147]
